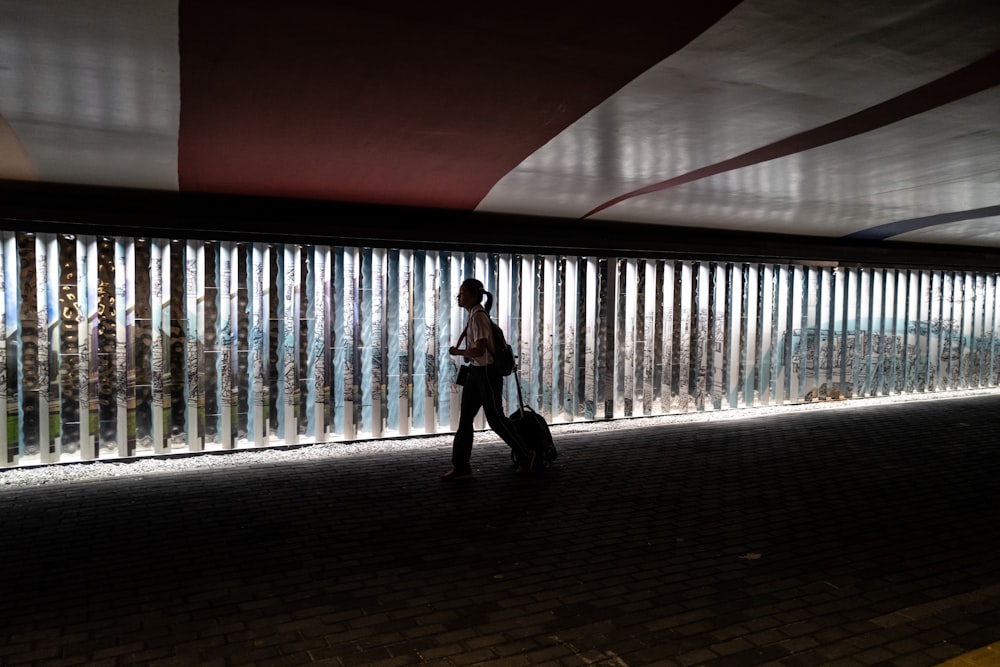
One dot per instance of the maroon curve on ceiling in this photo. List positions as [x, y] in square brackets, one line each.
[311, 104]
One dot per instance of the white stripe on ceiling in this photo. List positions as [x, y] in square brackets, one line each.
[92, 111]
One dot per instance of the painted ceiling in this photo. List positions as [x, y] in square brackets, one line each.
[849, 119]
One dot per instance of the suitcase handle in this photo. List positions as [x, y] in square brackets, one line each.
[520, 399]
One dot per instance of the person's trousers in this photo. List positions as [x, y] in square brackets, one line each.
[483, 389]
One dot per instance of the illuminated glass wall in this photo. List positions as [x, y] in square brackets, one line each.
[121, 347]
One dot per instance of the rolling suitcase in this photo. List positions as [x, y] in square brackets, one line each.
[533, 430]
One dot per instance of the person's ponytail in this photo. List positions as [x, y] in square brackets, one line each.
[489, 301]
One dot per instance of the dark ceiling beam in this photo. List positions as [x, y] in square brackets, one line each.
[37, 207]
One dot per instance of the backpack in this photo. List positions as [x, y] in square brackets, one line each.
[503, 355]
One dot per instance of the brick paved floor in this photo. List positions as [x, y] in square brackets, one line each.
[858, 536]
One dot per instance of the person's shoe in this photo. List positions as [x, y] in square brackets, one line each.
[454, 475]
[525, 468]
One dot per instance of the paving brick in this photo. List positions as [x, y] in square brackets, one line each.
[873, 525]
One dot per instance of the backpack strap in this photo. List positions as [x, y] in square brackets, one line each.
[490, 343]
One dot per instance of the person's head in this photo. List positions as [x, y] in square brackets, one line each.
[472, 292]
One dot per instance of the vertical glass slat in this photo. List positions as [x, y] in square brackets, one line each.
[954, 330]
[834, 348]
[961, 327]
[375, 344]
[975, 327]
[405, 301]
[817, 332]
[787, 323]
[141, 341]
[431, 290]
[685, 388]
[867, 308]
[302, 359]
[367, 345]
[626, 341]
[591, 341]
[929, 366]
[858, 278]
[776, 346]
[918, 337]
[645, 343]
[319, 285]
[903, 334]
[44, 260]
[242, 366]
[951, 344]
[8, 451]
[502, 309]
[671, 334]
[981, 326]
[734, 384]
[159, 277]
[192, 361]
[421, 390]
[553, 316]
[967, 294]
[906, 306]
[545, 307]
[446, 317]
[335, 375]
[394, 321]
[932, 322]
[125, 381]
[257, 337]
[991, 315]
[124, 314]
[712, 340]
[765, 317]
[209, 342]
[938, 329]
[527, 328]
[350, 342]
[761, 307]
[65, 347]
[893, 347]
[924, 331]
[569, 297]
[509, 277]
[933, 316]
[800, 299]
[286, 345]
[881, 385]
[617, 333]
[25, 348]
[844, 294]
[863, 339]
[227, 332]
[699, 294]
[753, 334]
[949, 362]
[745, 396]
[105, 344]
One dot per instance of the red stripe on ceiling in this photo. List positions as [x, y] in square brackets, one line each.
[427, 104]
[971, 79]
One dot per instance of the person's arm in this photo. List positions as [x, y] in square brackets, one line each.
[475, 348]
